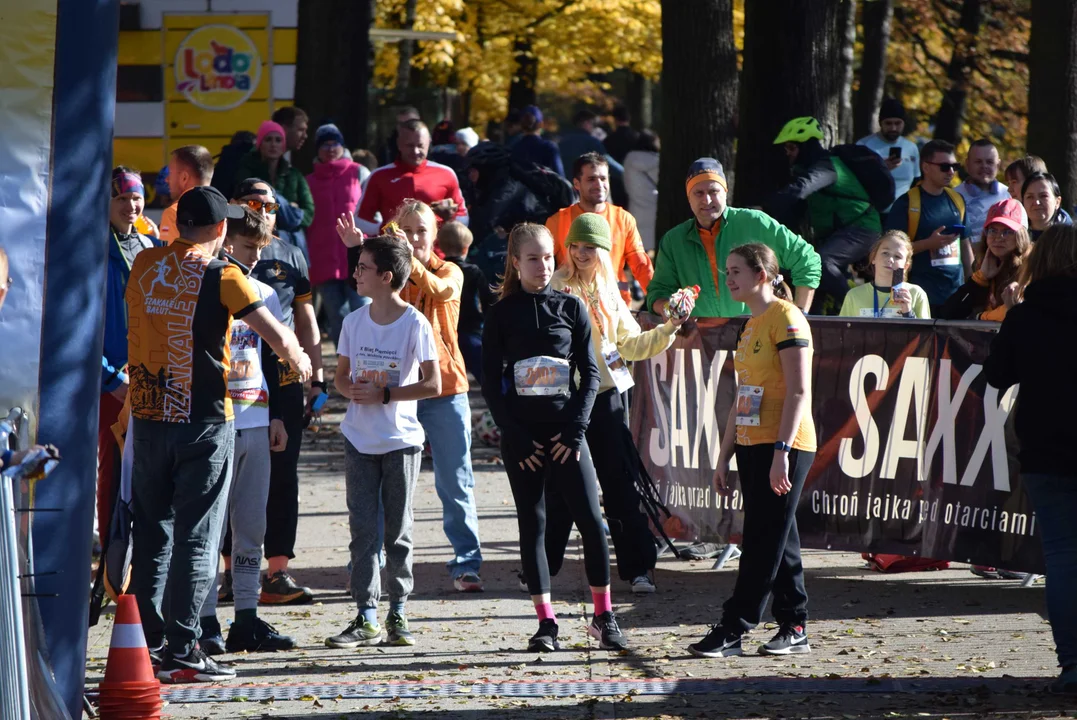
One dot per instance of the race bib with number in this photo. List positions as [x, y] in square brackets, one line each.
[622, 378]
[749, 401]
[947, 255]
[245, 366]
[382, 372]
[541, 376]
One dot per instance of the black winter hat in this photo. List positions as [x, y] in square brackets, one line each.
[891, 108]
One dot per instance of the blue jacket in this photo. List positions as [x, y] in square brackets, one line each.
[114, 359]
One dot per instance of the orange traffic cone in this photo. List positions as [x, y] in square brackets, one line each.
[129, 691]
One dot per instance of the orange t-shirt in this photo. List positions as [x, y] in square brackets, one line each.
[435, 292]
[627, 247]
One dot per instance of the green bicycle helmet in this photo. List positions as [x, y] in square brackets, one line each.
[798, 130]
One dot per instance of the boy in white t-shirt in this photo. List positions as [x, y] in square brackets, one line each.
[387, 363]
[259, 431]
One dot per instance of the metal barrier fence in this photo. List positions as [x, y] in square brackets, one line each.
[14, 682]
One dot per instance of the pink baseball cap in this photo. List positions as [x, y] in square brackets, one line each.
[1006, 212]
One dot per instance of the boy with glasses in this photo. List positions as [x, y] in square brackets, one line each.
[933, 215]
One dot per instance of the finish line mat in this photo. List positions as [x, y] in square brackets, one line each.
[580, 688]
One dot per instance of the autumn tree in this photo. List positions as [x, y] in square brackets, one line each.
[792, 68]
[875, 19]
[847, 20]
[1052, 95]
[333, 67]
[698, 94]
[950, 120]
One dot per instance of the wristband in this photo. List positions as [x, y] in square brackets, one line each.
[320, 384]
[385, 400]
[5, 457]
[782, 447]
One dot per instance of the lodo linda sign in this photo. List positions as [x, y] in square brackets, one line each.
[915, 457]
[217, 67]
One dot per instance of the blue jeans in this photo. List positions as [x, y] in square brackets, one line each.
[339, 300]
[180, 481]
[447, 422]
[1054, 498]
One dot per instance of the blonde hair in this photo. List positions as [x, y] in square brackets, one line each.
[416, 207]
[897, 236]
[1054, 254]
[761, 258]
[605, 277]
[454, 238]
[520, 235]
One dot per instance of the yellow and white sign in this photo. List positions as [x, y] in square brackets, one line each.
[217, 67]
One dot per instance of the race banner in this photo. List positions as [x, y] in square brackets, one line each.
[916, 451]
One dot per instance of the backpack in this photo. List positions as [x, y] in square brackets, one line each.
[870, 171]
[549, 187]
[914, 207]
[885, 563]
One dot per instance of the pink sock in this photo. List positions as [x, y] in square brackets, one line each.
[603, 602]
[545, 611]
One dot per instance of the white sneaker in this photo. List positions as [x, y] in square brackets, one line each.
[643, 585]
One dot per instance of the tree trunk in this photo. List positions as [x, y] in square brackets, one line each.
[522, 91]
[845, 106]
[803, 78]
[407, 49]
[332, 73]
[1052, 91]
[950, 121]
[698, 100]
[875, 19]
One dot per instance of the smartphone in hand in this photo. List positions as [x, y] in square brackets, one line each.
[895, 153]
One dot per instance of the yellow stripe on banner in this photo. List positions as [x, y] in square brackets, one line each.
[284, 44]
[28, 59]
[127, 637]
[140, 47]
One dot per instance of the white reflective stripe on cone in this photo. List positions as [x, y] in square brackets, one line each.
[127, 636]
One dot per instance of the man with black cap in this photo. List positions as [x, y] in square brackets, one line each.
[900, 154]
[181, 301]
[694, 252]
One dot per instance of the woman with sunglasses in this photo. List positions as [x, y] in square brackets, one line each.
[335, 187]
[266, 161]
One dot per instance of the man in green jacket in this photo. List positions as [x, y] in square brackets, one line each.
[694, 252]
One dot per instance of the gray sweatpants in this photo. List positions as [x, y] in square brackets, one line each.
[247, 514]
[392, 478]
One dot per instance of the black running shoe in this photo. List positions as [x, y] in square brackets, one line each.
[212, 641]
[359, 632]
[281, 589]
[604, 628]
[397, 631]
[224, 592]
[157, 656]
[790, 640]
[719, 642]
[195, 667]
[545, 640]
[257, 636]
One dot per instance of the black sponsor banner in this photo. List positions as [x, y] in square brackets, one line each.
[916, 454]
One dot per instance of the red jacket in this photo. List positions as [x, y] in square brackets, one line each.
[335, 188]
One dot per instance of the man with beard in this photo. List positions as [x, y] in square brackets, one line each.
[900, 154]
[591, 179]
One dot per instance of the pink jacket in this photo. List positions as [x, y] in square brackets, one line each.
[335, 187]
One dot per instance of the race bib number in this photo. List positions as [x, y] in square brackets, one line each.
[749, 401]
[382, 372]
[245, 366]
[948, 255]
[622, 378]
[541, 376]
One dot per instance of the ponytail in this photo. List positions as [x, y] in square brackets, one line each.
[761, 258]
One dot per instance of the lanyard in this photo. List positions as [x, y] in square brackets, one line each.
[875, 300]
[594, 306]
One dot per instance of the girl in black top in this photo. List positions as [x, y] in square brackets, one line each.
[534, 343]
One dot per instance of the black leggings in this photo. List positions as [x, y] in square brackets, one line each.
[575, 482]
[771, 543]
[633, 540]
[282, 508]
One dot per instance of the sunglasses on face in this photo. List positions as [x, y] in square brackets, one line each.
[259, 205]
[951, 167]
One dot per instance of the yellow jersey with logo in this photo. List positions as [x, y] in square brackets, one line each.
[761, 392]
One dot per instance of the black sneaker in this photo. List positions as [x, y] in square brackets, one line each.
[604, 628]
[224, 592]
[257, 636]
[280, 589]
[359, 632]
[545, 640]
[195, 667]
[1066, 683]
[790, 640]
[157, 656]
[521, 581]
[212, 641]
[719, 642]
[396, 630]
[702, 551]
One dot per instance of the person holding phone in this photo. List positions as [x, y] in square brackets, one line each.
[900, 154]
[932, 214]
[888, 295]
[770, 429]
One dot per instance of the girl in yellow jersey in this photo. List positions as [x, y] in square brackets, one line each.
[770, 426]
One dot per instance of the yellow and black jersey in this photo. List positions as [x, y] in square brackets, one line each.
[759, 374]
[180, 306]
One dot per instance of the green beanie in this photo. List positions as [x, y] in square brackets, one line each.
[592, 229]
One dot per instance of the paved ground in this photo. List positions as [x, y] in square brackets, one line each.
[943, 644]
